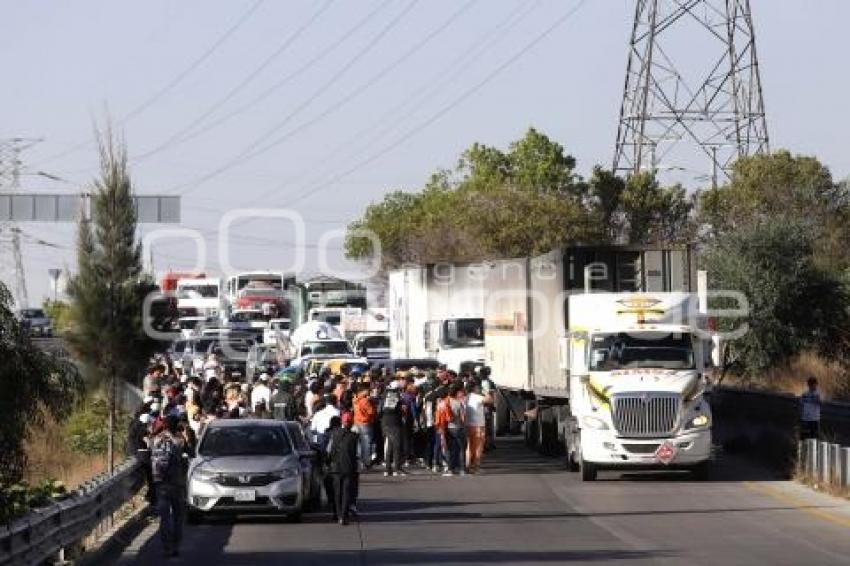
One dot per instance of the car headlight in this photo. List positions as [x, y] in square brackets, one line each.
[201, 474]
[699, 421]
[287, 473]
[594, 423]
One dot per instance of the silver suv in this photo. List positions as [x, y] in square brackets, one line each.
[248, 466]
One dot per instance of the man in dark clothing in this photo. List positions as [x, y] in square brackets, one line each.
[391, 423]
[342, 453]
[283, 403]
[168, 476]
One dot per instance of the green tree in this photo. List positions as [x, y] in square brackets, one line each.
[793, 304]
[108, 289]
[33, 383]
[493, 204]
[774, 186]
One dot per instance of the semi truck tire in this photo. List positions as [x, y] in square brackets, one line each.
[701, 471]
[502, 412]
[571, 448]
[588, 469]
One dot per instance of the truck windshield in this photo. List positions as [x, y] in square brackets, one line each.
[641, 350]
[198, 292]
[463, 333]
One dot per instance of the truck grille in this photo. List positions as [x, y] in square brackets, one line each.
[645, 415]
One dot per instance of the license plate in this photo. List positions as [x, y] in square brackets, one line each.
[666, 452]
[244, 495]
[236, 373]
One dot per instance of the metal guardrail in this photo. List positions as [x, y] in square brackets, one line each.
[44, 534]
[824, 463]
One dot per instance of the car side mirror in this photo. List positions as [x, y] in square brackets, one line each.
[584, 378]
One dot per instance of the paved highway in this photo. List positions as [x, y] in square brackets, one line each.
[524, 509]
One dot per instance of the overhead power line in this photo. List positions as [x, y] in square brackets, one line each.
[172, 84]
[246, 153]
[181, 135]
[395, 144]
[363, 140]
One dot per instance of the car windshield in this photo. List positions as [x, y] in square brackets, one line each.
[203, 344]
[464, 333]
[405, 365]
[326, 347]
[32, 313]
[641, 350]
[189, 324]
[280, 325]
[376, 342]
[332, 317]
[247, 440]
[233, 346]
[246, 316]
[259, 292]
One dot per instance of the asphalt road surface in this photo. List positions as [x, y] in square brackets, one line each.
[524, 509]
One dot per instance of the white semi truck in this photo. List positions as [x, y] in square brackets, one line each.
[600, 352]
[437, 311]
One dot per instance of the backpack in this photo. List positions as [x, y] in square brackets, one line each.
[444, 414]
[165, 459]
[391, 401]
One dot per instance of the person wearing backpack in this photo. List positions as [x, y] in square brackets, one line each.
[455, 430]
[391, 423]
[167, 448]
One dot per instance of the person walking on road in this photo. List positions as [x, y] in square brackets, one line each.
[475, 420]
[810, 403]
[342, 453]
[391, 423]
[455, 431]
[168, 478]
[364, 423]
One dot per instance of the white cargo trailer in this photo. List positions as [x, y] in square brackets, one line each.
[436, 311]
[529, 324]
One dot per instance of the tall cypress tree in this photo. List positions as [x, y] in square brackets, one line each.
[108, 289]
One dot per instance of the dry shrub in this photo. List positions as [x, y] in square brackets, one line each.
[50, 456]
[833, 378]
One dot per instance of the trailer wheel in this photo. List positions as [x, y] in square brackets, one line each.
[571, 449]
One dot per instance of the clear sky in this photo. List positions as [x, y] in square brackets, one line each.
[324, 106]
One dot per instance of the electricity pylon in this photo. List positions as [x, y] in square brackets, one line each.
[715, 105]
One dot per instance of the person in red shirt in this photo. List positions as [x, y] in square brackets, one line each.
[364, 424]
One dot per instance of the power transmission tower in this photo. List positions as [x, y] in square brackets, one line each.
[11, 169]
[708, 96]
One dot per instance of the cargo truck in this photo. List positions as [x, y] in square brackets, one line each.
[600, 352]
[437, 311]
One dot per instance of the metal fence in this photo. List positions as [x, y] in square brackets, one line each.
[824, 463]
[44, 534]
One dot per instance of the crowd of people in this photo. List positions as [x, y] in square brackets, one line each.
[438, 420]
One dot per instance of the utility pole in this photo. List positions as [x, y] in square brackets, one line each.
[709, 96]
[11, 168]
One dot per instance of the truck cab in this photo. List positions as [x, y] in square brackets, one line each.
[637, 379]
[455, 341]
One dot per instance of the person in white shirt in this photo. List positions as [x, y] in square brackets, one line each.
[311, 397]
[261, 394]
[810, 403]
[475, 421]
[321, 420]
